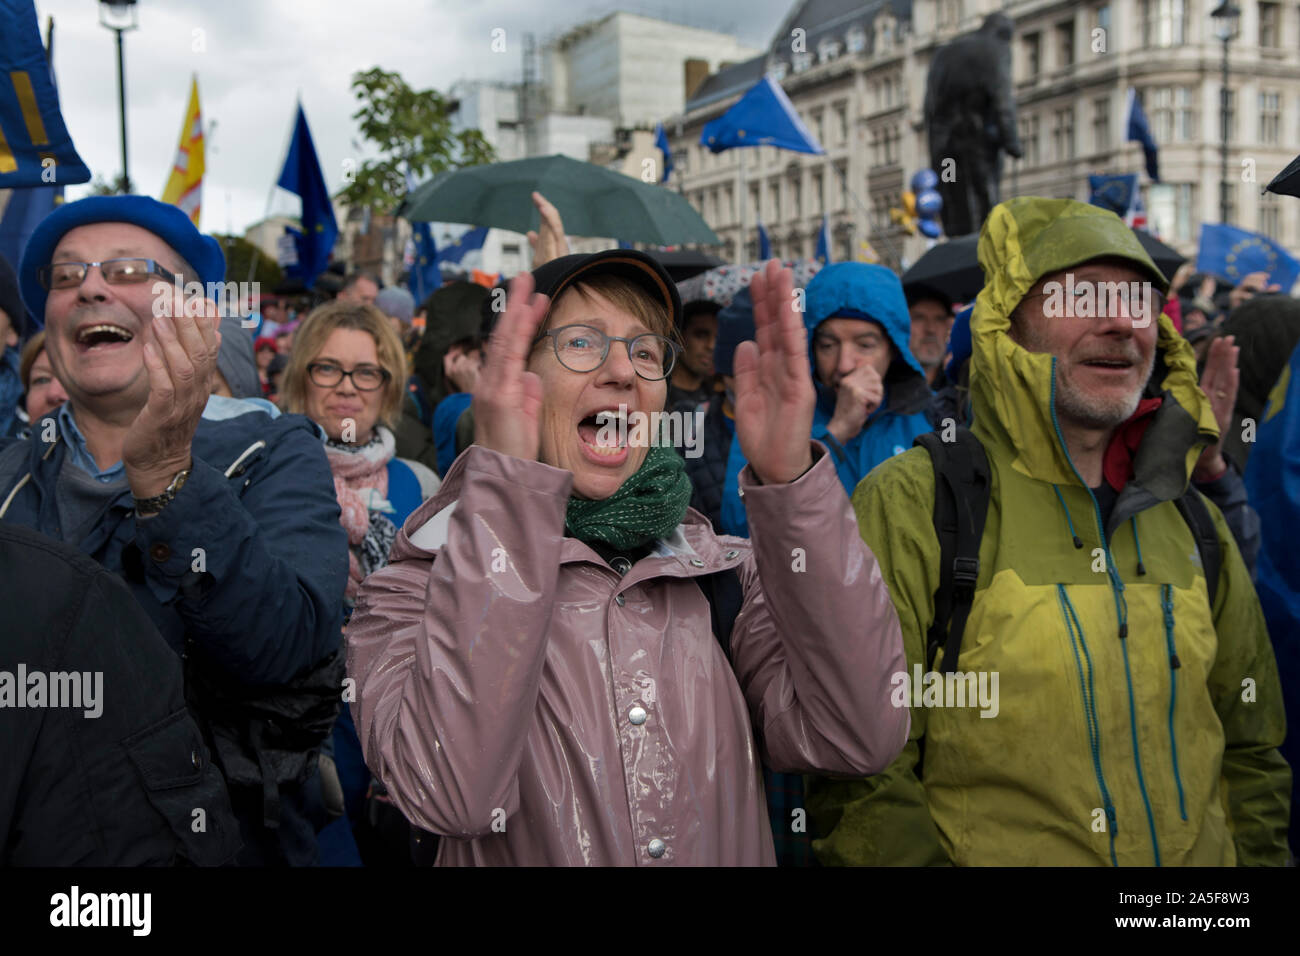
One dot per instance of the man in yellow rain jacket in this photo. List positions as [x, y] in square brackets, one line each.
[1129, 721]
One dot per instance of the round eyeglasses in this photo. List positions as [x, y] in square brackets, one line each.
[582, 348]
[365, 378]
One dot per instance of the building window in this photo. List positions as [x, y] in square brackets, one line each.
[875, 147]
[819, 126]
[1029, 140]
[1186, 126]
[856, 40]
[1163, 23]
[729, 197]
[1032, 53]
[1101, 124]
[779, 69]
[1158, 104]
[1270, 217]
[1101, 18]
[949, 13]
[1230, 115]
[796, 197]
[827, 50]
[840, 169]
[818, 194]
[802, 61]
[774, 201]
[1270, 118]
[842, 122]
[1063, 134]
[1065, 44]
[1268, 25]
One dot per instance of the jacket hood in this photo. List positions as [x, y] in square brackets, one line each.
[1022, 240]
[874, 293]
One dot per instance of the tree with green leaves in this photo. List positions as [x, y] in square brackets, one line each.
[412, 131]
[245, 262]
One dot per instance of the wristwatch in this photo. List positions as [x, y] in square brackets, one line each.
[148, 507]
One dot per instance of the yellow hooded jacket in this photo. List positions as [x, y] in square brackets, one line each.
[1156, 748]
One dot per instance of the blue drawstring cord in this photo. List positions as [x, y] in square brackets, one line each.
[1138, 544]
[1068, 520]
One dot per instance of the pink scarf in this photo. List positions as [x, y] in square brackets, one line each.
[361, 486]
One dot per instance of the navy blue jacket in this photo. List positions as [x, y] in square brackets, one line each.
[247, 565]
[262, 597]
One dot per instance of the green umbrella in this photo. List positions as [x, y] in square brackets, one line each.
[592, 200]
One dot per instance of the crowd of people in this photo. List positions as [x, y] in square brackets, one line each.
[375, 583]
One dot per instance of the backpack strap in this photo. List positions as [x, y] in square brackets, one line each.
[1194, 511]
[962, 487]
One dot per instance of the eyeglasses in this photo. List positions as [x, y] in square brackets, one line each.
[365, 378]
[582, 348]
[69, 275]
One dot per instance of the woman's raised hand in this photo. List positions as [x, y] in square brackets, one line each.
[508, 398]
[774, 390]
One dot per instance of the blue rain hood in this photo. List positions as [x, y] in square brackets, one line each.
[861, 291]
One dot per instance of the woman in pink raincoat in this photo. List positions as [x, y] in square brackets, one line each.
[538, 675]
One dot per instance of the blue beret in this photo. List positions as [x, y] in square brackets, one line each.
[165, 221]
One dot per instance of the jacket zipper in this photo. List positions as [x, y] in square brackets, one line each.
[1121, 614]
[1089, 713]
[1167, 602]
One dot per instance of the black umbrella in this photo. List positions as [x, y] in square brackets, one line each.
[1287, 182]
[1166, 258]
[684, 263]
[951, 267]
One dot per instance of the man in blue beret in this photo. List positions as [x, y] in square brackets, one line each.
[225, 527]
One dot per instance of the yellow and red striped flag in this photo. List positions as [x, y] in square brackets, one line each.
[185, 184]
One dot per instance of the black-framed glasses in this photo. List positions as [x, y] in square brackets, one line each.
[584, 348]
[69, 275]
[365, 378]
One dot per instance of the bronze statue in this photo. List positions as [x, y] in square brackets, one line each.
[970, 120]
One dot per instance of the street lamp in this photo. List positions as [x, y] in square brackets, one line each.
[1225, 17]
[120, 16]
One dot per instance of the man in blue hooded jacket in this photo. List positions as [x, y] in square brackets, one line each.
[871, 392]
[224, 526]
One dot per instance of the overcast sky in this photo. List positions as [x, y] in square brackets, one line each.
[256, 56]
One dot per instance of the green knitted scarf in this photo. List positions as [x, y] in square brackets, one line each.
[648, 506]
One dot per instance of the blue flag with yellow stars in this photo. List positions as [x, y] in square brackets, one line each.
[302, 175]
[35, 148]
[1233, 254]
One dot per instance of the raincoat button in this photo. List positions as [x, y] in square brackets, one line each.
[637, 715]
[620, 600]
[696, 562]
[657, 848]
[621, 564]
[732, 554]
[160, 552]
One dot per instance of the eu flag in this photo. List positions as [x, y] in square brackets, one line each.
[661, 143]
[824, 244]
[1113, 192]
[764, 116]
[764, 244]
[1235, 253]
[425, 278]
[302, 175]
[35, 148]
[1139, 130]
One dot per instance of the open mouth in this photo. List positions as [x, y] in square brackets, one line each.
[1118, 364]
[604, 432]
[94, 336]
